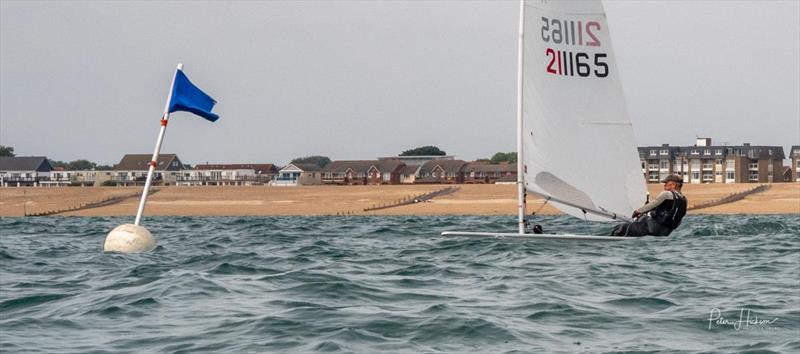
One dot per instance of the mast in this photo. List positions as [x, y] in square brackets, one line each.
[520, 163]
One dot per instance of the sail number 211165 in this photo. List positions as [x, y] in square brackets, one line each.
[569, 63]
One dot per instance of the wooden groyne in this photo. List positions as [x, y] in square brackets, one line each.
[415, 199]
[730, 198]
[95, 204]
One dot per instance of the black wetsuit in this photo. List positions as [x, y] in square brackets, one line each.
[659, 217]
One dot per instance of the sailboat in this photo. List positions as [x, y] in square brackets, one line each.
[575, 142]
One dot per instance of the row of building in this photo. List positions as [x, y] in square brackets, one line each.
[132, 170]
[700, 163]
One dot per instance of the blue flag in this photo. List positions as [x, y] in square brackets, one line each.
[188, 98]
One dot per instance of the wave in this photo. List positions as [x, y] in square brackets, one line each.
[391, 284]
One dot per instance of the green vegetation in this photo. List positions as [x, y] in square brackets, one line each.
[500, 157]
[320, 161]
[7, 151]
[80, 165]
[424, 151]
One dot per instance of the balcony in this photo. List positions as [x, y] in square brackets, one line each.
[24, 179]
[262, 179]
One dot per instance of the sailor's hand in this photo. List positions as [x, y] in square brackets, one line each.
[636, 214]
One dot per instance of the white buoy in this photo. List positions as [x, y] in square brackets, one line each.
[129, 238]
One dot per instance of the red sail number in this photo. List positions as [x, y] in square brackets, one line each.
[552, 54]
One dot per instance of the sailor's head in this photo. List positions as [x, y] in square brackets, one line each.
[672, 182]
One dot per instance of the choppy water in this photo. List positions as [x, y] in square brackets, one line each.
[391, 284]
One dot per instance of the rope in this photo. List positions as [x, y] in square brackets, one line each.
[542, 206]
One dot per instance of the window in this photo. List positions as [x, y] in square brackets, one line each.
[730, 175]
[695, 175]
[718, 152]
[708, 166]
[753, 166]
[707, 152]
[695, 152]
[708, 177]
[731, 164]
[798, 163]
[753, 176]
[664, 152]
[664, 164]
[652, 152]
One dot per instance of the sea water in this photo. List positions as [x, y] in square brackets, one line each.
[392, 284]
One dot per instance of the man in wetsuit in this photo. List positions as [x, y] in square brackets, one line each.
[660, 216]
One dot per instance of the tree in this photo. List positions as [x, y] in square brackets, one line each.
[56, 163]
[424, 151]
[509, 157]
[320, 161]
[80, 165]
[7, 151]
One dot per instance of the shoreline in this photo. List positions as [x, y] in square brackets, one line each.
[781, 198]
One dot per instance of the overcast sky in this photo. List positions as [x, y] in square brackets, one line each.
[357, 80]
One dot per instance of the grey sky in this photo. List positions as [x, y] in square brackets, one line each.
[356, 80]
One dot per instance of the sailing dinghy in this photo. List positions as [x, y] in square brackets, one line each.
[575, 142]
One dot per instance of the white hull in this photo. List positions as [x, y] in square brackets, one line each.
[517, 236]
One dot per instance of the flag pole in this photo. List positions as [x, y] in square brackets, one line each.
[154, 160]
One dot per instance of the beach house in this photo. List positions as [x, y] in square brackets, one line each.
[60, 177]
[24, 171]
[409, 174]
[481, 172]
[228, 174]
[298, 174]
[362, 172]
[794, 154]
[132, 169]
[441, 171]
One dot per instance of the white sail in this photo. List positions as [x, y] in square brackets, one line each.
[578, 142]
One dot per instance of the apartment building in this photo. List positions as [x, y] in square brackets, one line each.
[794, 154]
[708, 163]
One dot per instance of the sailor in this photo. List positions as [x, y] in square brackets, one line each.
[660, 216]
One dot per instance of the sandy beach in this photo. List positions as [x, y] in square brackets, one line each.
[781, 198]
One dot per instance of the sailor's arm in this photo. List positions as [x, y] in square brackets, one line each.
[655, 202]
